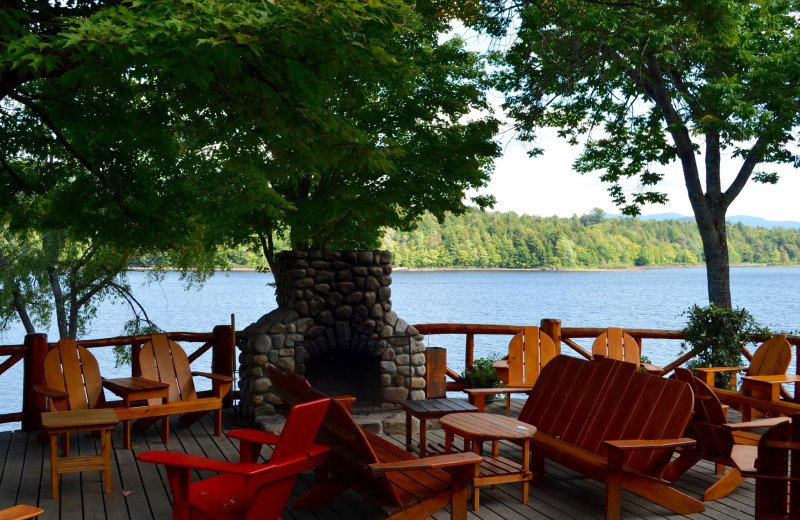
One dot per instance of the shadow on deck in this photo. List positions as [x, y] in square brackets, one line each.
[140, 490]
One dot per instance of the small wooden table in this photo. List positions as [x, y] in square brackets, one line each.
[425, 409]
[55, 423]
[137, 389]
[477, 428]
[766, 387]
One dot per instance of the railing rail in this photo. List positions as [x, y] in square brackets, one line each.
[221, 342]
[567, 335]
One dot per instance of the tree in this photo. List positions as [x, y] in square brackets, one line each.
[211, 121]
[644, 83]
[50, 274]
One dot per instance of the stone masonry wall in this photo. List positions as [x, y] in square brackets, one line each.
[329, 300]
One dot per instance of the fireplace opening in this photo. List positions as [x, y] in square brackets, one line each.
[348, 372]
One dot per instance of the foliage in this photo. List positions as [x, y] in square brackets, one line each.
[644, 84]
[482, 373]
[507, 240]
[717, 336]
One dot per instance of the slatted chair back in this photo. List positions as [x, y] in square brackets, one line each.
[72, 369]
[778, 465]
[339, 430]
[161, 359]
[528, 351]
[771, 358]
[586, 403]
[617, 344]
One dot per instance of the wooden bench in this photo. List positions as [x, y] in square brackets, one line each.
[612, 423]
[396, 482]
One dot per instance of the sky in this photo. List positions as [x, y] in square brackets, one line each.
[547, 185]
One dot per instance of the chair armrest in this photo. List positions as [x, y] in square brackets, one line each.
[215, 377]
[759, 423]
[651, 369]
[20, 512]
[50, 392]
[649, 444]
[439, 461]
[185, 460]
[254, 436]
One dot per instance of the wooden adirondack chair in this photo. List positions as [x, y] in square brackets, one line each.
[246, 490]
[161, 359]
[775, 468]
[20, 512]
[528, 352]
[72, 381]
[619, 345]
[398, 484]
[771, 358]
[716, 438]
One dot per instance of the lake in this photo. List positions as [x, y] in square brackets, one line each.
[652, 298]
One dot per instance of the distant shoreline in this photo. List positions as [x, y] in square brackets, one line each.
[521, 269]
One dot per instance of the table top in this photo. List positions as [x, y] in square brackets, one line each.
[133, 384]
[83, 418]
[487, 426]
[443, 406]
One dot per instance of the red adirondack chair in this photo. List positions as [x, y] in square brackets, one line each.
[246, 490]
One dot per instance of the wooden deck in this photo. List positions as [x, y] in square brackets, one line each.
[140, 491]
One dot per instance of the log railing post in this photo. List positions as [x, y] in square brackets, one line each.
[223, 355]
[552, 327]
[33, 403]
[470, 354]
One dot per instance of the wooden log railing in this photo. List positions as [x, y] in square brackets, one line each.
[567, 335]
[221, 342]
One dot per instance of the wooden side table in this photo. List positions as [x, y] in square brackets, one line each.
[477, 396]
[138, 389]
[55, 423]
[765, 387]
[477, 428]
[424, 409]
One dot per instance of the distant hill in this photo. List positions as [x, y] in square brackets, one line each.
[744, 219]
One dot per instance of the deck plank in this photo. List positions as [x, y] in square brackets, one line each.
[140, 490]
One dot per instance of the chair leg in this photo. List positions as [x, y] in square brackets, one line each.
[724, 486]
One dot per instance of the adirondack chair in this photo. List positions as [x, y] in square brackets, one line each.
[20, 512]
[164, 360]
[775, 467]
[620, 345]
[716, 438]
[397, 483]
[246, 490]
[771, 358]
[528, 352]
[72, 381]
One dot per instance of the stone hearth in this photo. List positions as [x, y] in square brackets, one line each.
[334, 325]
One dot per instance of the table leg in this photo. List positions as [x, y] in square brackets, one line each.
[54, 464]
[126, 434]
[478, 401]
[105, 452]
[423, 440]
[448, 442]
[526, 455]
[408, 431]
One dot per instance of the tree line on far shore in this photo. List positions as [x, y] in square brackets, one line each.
[508, 240]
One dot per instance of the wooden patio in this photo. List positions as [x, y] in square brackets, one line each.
[140, 490]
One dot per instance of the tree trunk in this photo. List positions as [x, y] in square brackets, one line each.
[715, 247]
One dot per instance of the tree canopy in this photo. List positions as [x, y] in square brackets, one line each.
[647, 83]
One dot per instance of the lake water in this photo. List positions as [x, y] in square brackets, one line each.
[652, 299]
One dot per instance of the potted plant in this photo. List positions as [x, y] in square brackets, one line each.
[482, 374]
[717, 336]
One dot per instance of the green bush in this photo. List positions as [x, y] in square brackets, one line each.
[482, 374]
[717, 336]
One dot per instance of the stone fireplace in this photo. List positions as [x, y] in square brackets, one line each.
[335, 326]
